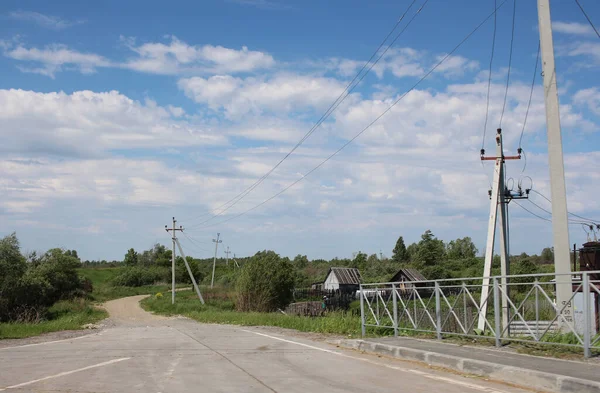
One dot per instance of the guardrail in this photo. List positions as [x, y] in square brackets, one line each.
[452, 307]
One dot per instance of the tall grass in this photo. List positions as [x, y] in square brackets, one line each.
[64, 315]
[219, 310]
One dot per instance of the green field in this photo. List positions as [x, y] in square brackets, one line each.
[222, 311]
[64, 315]
[103, 290]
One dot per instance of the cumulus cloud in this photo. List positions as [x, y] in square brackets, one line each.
[55, 58]
[572, 28]
[47, 21]
[87, 123]
[174, 57]
[179, 57]
[280, 93]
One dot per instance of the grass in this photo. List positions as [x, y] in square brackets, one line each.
[103, 290]
[220, 310]
[64, 315]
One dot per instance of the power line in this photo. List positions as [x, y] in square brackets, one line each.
[573, 214]
[549, 212]
[349, 88]
[588, 18]
[537, 61]
[512, 40]
[530, 212]
[487, 104]
[370, 124]
[196, 243]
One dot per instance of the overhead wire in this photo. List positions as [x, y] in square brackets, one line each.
[538, 216]
[370, 124]
[349, 88]
[573, 214]
[588, 18]
[537, 61]
[549, 212]
[512, 40]
[489, 86]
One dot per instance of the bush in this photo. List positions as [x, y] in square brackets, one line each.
[139, 276]
[266, 283]
[27, 290]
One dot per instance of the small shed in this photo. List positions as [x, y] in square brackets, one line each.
[344, 279]
[409, 279]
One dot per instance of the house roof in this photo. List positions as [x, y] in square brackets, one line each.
[346, 275]
[410, 274]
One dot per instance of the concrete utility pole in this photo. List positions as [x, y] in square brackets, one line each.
[217, 241]
[558, 190]
[497, 200]
[190, 272]
[174, 238]
[227, 256]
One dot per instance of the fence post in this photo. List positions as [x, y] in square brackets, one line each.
[537, 310]
[362, 312]
[395, 306]
[587, 317]
[438, 311]
[497, 311]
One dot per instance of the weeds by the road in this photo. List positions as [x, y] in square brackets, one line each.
[64, 315]
[221, 310]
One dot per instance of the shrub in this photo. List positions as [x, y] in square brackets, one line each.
[265, 283]
[138, 276]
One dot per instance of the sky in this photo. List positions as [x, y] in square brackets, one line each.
[116, 116]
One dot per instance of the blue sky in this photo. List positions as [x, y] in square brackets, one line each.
[116, 116]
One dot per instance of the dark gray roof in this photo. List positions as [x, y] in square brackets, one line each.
[346, 275]
[410, 274]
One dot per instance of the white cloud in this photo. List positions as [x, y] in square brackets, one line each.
[573, 28]
[282, 92]
[178, 57]
[87, 123]
[588, 97]
[47, 21]
[54, 58]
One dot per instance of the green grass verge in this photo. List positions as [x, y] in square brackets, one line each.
[64, 315]
[221, 311]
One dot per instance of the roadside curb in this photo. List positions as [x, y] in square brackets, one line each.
[514, 375]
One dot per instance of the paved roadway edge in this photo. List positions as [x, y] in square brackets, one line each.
[531, 379]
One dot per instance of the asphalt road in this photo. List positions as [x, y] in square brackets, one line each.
[144, 353]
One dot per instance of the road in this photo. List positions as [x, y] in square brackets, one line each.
[141, 352]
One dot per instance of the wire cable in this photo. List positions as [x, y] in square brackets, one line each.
[487, 104]
[512, 40]
[588, 18]
[197, 244]
[349, 88]
[573, 214]
[370, 124]
[537, 61]
[549, 212]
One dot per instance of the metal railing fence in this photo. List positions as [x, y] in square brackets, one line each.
[453, 307]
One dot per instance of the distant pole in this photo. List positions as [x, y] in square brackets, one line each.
[174, 238]
[216, 241]
[227, 256]
[558, 189]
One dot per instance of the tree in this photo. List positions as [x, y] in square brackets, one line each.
[461, 249]
[411, 251]
[300, 261]
[400, 254]
[12, 268]
[265, 283]
[430, 250]
[359, 261]
[131, 258]
[547, 255]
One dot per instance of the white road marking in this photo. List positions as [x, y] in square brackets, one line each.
[64, 373]
[407, 370]
[48, 342]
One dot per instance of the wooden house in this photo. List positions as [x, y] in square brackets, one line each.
[344, 279]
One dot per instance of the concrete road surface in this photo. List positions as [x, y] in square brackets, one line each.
[146, 353]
